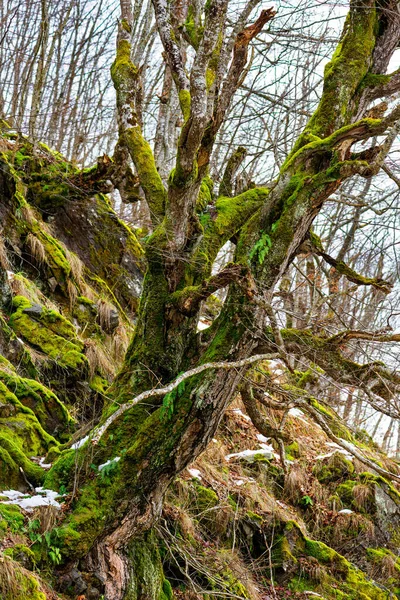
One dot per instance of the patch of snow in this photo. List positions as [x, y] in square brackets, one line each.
[195, 473]
[345, 453]
[80, 443]
[237, 411]
[43, 464]
[345, 511]
[112, 460]
[262, 438]
[202, 324]
[248, 455]
[296, 412]
[12, 494]
[28, 502]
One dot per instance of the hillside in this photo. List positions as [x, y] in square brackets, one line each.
[243, 521]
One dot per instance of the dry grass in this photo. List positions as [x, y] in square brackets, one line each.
[104, 311]
[4, 263]
[47, 516]
[363, 495]
[36, 249]
[88, 292]
[353, 526]
[72, 293]
[16, 583]
[120, 342]
[295, 483]
[76, 264]
[98, 360]
[28, 215]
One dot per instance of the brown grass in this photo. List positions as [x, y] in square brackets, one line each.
[72, 293]
[120, 342]
[363, 495]
[76, 264]
[36, 249]
[4, 263]
[98, 360]
[16, 582]
[28, 215]
[295, 483]
[104, 310]
[353, 526]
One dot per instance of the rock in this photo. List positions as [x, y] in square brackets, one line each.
[72, 582]
[114, 319]
[34, 311]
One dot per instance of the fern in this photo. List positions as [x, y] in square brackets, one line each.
[261, 248]
[167, 409]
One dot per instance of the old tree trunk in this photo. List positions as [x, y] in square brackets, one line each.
[107, 530]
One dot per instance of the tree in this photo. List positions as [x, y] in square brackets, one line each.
[190, 376]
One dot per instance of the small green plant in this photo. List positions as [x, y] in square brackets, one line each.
[108, 471]
[167, 409]
[48, 539]
[261, 248]
[306, 501]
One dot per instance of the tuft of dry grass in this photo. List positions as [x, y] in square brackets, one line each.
[4, 263]
[76, 264]
[16, 582]
[104, 312]
[28, 215]
[72, 293]
[98, 360]
[295, 483]
[120, 342]
[353, 526]
[36, 249]
[363, 495]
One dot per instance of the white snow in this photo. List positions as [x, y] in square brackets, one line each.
[12, 494]
[195, 473]
[43, 464]
[345, 511]
[345, 453]
[201, 325]
[112, 460]
[249, 455]
[29, 502]
[262, 438]
[239, 481]
[80, 443]
[237, 411]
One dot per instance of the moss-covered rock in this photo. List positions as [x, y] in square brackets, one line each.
[333, 468]
[42, 335]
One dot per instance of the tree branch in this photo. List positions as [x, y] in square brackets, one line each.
[343, 269]
[98, 432]
[126, 76]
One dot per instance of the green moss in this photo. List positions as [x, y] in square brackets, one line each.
[64, 352]
[293, 451]
[333, 468]
[185, 101]
[50, 411]
[21, 554]
[17, 583]
[374, 80]
[55, 254]
[12, 516]
[13, 458]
